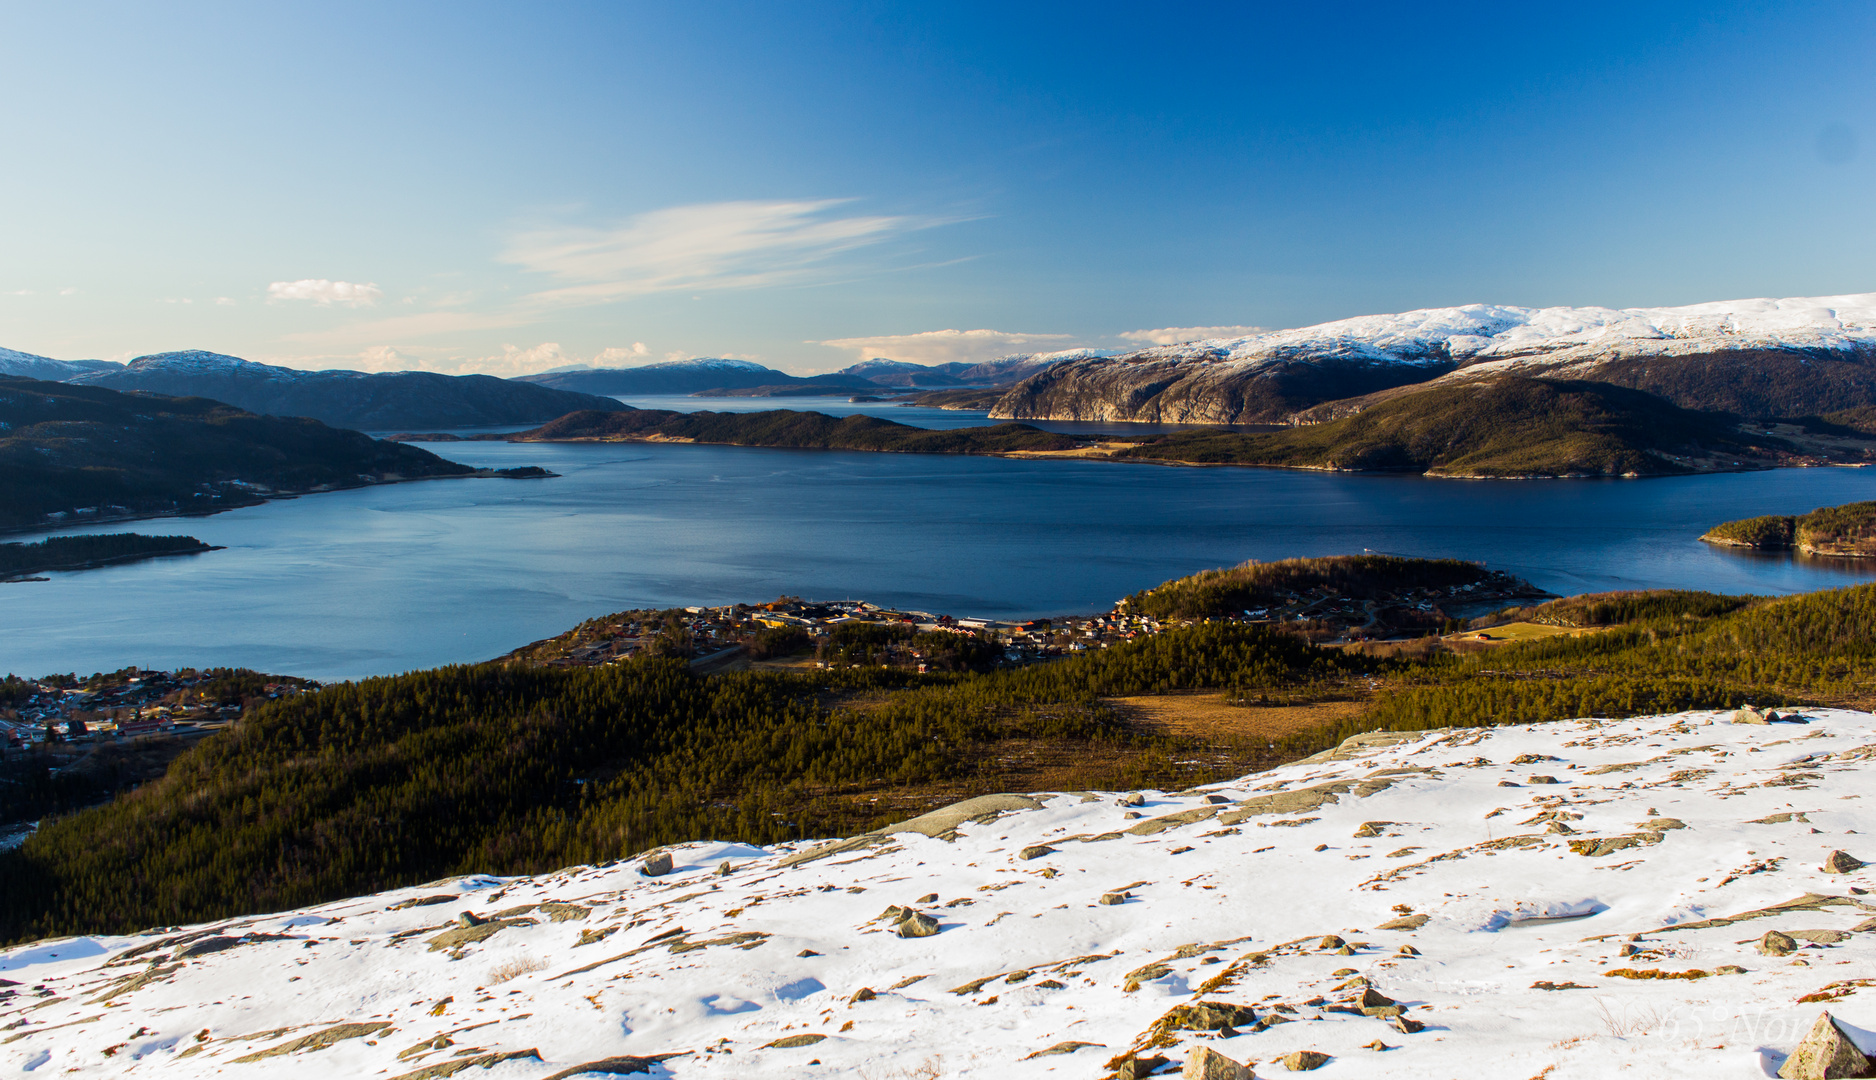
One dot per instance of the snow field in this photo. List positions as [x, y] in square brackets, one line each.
[1219, 895]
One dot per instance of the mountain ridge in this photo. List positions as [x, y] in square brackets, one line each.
[372, 401]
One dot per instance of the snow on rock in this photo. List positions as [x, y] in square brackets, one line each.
[1423, 905]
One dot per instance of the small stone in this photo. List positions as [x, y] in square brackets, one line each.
[1216, 799]
[1344, 951]
[469, 918]
[1501, 783]
[1407, 1025]
[1729, 969]
[928, 898]
[1132, 815]
[1749, 715]
[1035, 851]
[1050, 984]
[1843, 863]
[1133, 798]
[1304, 1060]
[1139, 1068]
[1204, 1063]
[792, 1041]
[1112, 898]
[657, 866]
[1777, 944]
[807, 952]
[1825, 1053]
[864, 993]
[1339, 972]
[1627, 950]
[1376, 1045]
[1322, 847]
[1374, 1003]
[725, 869]
[1331, 942]
[1541, 780]
[1408, 950]
[917, 924]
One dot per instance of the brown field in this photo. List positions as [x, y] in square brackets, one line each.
[1205, 716]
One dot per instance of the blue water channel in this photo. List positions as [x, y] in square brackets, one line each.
[388, 579]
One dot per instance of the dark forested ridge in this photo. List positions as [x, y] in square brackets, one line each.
[84, 450]
[784, 428]
[512, 768]
[84, 552]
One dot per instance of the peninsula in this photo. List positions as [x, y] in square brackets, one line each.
[1847, 531]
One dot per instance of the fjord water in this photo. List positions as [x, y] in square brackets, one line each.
[387, 579]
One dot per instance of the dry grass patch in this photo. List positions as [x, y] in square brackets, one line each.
[1205, 715]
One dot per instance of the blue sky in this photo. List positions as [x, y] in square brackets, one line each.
[504, 188]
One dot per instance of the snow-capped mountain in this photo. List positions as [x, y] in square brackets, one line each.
[1758, 357]
[29, 366]
[1664, 896]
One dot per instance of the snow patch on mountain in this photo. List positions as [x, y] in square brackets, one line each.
[1568, 900]
[1476, 333]
[31, 366]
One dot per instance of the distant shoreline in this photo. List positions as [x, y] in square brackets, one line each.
[527, 472]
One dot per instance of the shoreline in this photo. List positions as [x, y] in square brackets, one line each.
[157, 515]
[1084, 454]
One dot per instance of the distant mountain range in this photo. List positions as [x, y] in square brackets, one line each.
[350, 399]
[741, 378]
[1755, 358]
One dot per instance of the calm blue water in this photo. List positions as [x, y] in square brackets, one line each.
[414, 575]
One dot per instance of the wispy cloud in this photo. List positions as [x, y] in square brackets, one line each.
[946, 346]
[1174, 335]
[326, 293]
[704, 246]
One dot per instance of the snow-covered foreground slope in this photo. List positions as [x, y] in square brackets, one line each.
[1069, 925]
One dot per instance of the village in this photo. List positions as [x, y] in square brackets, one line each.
[796, 634]
[131, 703]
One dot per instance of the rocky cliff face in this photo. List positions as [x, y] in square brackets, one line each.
[1154, 388]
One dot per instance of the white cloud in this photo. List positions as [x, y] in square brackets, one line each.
[225, 301]
[1176, 335]
[68, 291]
[617, 357]
[326, 293]
[946, 346]
[705, 246]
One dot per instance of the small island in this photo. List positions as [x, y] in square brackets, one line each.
[19, 561]
[1847, 531]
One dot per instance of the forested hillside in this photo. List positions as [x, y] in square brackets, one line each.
[66, 448]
